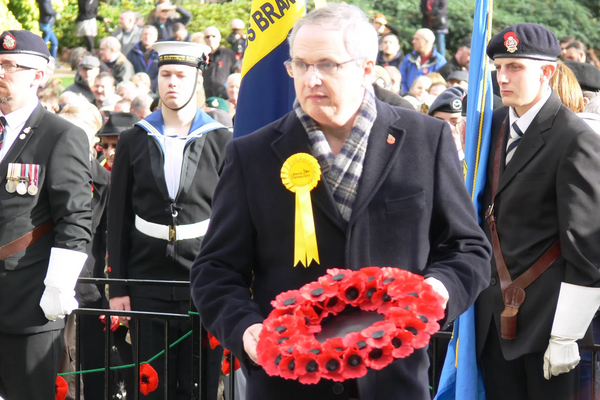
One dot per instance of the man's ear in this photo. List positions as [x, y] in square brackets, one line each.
[38, 78]
[369, 72]
[548, 71]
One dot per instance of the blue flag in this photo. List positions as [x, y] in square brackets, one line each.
[461, 377]
[266, 91]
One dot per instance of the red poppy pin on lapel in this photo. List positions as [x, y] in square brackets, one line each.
[391, 139]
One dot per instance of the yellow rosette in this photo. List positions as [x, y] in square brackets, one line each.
[300, 174]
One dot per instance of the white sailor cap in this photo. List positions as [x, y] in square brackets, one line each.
[185, 53]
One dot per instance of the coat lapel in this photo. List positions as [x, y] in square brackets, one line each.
[294, 140]
[385, 141]
[31, 125]
[531, 142]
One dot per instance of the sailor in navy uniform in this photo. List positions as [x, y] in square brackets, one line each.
[45, 221]
[164, 175]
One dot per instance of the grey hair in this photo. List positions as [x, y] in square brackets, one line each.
[360, 36]
[427, 34]
[112, 43]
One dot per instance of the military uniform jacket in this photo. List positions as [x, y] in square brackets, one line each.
[550, 190]
[411, 211]
[138, 187]
[64, 194]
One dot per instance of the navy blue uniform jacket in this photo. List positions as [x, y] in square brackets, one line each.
[412, 211]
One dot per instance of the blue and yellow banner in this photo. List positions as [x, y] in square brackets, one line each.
[267, 91]
[461, 376]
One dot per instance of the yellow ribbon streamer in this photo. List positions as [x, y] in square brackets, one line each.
[300, 174]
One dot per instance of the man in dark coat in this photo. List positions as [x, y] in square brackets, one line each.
[460, 60]
[164, 174]
[221, 65]
[543, 168]
[45, 220]
[143, 57]
[88, 70]
[401, 203]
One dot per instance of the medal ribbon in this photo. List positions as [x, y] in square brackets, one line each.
[300, 174]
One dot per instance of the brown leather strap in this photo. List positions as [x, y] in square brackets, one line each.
[26, 240]
[513, 292]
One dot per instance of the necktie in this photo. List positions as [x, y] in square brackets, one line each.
[2, 127]
[515, 138]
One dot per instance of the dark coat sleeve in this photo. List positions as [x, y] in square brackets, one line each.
[69, 190]
[120, 219]
[222, 273]
[460, 252]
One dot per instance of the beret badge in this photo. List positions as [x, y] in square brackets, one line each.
[511, 41]
[9, 42]
[457, 104]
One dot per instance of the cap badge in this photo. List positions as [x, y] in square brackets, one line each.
[215, 103]
[9, 42]
[456, 104]
[511, 41]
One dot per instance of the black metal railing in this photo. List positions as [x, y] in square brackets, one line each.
[200, 346]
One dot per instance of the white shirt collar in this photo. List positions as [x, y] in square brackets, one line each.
[526, 119]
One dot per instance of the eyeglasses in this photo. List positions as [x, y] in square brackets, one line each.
[9, 67]
[325, 68]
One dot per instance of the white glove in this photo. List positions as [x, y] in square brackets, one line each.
[64, 268]
[439, 288]
[574, 312]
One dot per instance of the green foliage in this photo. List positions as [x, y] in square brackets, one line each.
[7, 19]
[204, 15]
[564, 17]
[26, 12]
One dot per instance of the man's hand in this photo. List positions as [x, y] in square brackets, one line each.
[561, 356]
[121, 303]
[439, 288]
[250, 339]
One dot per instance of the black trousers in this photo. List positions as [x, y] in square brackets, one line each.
[29, 364]
[523, 378]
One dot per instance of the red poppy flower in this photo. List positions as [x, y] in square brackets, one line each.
[114, 322]
[417, 328]
[383, 301]
[354, 363]
[402, 344]
[408, 287]
[221, 63]
[409, 302]
[318, 291]
[334, 305]
[379, 334]
[307, 344]
[61, 388]
[429, 315]
[276, 313]
[213, 341]
[288, 300]
[334, 344]
[335, 275]
[311, 314]
[287, 366]
[284, 326]
[351, 290]
[372, 273]
[307, 368]
[399, 316]
[379, 358]
[331, 365]
[268, 357]
[148, 379]
[226, 367]
[358, 339]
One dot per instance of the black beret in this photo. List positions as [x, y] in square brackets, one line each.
[117, 123]
[587, 75]
[450, 101]
[23, 42]
[524, 41]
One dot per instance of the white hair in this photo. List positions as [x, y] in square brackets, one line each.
[360, 36]
[427, 34]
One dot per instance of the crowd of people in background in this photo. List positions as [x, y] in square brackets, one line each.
[119, 79]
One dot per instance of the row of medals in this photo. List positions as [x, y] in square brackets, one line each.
[21, 187]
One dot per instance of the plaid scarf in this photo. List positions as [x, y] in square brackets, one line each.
[342, 173]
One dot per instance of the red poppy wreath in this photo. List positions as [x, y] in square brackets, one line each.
[346, 322]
